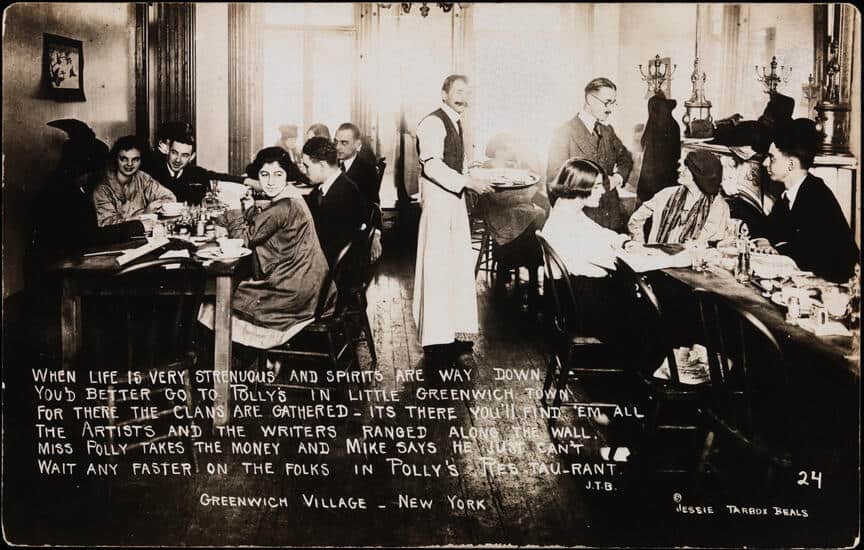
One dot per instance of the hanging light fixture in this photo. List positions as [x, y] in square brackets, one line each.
[446, 7]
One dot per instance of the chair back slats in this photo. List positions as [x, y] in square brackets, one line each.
[646, 302]
[334, 276]
[553, 263]
[745, 364]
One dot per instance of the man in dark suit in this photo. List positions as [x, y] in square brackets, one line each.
[807, 223]
[353, 165]
[187, 181]
[338, 208]
[587, 136]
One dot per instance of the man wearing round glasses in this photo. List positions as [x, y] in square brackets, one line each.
[587, 136]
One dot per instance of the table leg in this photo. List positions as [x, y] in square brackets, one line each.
[222, 353]
[70, 323]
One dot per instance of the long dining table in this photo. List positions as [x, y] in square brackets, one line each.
[83, 274]
[835, 352]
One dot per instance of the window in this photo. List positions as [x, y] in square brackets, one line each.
[520, 95]
[308, 66]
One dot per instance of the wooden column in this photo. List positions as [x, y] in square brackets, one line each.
[142, 73]
[245, 95]
[174, 37]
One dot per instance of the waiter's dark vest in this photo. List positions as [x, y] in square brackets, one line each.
[454, 153]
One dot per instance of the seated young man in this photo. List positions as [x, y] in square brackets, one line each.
[807, 223]
[337, 206]
[188, 182]
[126, 192]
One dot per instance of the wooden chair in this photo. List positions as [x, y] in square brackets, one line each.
[565, 342]
[381, 167]
[358, 305]
[683, 399]
[481, 241]
[176, 355]
[327, 336]
[747, 405]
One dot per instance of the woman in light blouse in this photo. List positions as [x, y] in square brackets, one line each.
[587, 248]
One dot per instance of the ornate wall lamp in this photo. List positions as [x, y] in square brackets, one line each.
[774, 77]
[697, 110]
[658, 73]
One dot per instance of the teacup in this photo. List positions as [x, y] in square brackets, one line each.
[836, 301]
[802, 294]
[230, 247]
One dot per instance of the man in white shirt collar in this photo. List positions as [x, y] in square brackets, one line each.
[811, 229]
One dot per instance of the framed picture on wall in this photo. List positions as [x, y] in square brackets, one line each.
[63, 68]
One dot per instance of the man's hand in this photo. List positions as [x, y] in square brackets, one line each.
[479, 186]
[376, 246]
[616, 181]
[763, 246]
[254, 184]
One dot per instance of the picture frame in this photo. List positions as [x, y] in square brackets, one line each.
[63, 68]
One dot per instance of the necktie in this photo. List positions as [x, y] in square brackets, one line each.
[596, 131]
[784, 202]
[342, 166]
[459, 125]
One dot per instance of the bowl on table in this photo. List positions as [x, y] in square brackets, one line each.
[172, 209]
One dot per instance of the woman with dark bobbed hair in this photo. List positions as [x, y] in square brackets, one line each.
[586, 248]
[289, 266]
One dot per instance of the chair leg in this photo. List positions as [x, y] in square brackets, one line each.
[563, 378]
[190, 405]
[550, 375]
[481, 255]
[370, 340]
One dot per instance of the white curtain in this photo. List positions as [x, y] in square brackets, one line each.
[404, 57]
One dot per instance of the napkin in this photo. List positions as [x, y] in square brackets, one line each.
[692, 366]
[651, 260]
[230, 193]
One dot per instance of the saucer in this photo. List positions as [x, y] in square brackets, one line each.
[215, 253]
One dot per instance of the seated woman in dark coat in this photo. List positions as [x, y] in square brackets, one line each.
[743, 192]
[290, 266]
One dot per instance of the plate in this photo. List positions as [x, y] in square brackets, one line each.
[511, 186]
[806, 302]
[215, 253]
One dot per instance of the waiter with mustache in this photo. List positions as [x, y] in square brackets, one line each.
[445, 297]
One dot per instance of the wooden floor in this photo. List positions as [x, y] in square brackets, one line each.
[511, 502]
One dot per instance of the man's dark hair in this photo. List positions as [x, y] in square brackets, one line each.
[800, 139]
[597, 83]
[188, 139]
[126, 143]
[448, 82]
[321, 149]
[350, 126]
